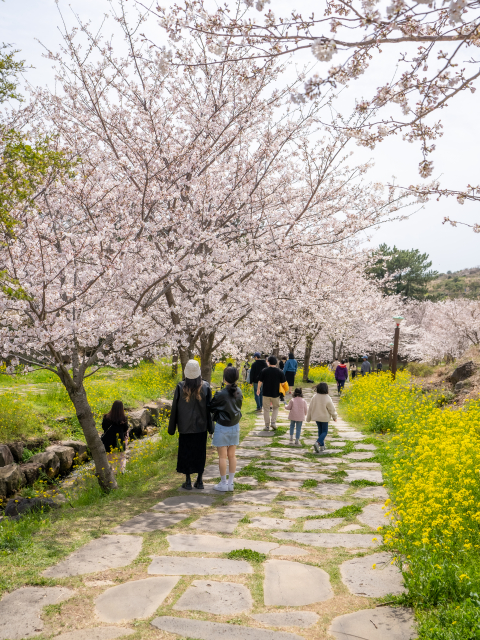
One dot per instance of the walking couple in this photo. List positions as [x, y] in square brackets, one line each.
[194, 413]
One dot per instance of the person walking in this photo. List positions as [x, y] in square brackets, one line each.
[256, 369]
[379, 367]
[115, 436]
[269, 384]
[298, 411]
[366, 367]
[245, 372]
[191, 416]
[226, 408]
[341, 376]
[290, 370]
[321, 409]
[353, 370]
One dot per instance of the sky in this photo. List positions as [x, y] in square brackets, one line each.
[29, 24]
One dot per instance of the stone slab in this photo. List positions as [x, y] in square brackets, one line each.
[246, 508]
[366, 447]
[287, 550]
[316, 503]
[96, 633]
[145, 522]
[293, 584]
[263, 434]
[258, 496]
[214, 544]
[363, 580]
[330, 490]
[220, 598]
[358, 455]
[330, 540]
[350, 527]
[303, 513]
[373, 476]
[253, 482]
[375, 624]
[218, 522]
[373, 515]
[324, 523]
[282, 484]
[196, 501]
[287, 619]
[134, 600]
[188, 566]
[107, 552]
[371, 492]
[201, 630]
[20, 610]
[365, 465]
[271, 523]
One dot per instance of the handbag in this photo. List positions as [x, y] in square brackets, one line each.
[284, 387]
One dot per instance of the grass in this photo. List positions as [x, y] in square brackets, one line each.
[349, 511]
[310, 484]
[247, 554]
[365, 483]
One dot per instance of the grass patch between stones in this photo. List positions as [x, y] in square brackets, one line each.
[247, 554]
[310, 484]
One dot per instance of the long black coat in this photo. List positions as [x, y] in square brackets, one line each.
[193, 416]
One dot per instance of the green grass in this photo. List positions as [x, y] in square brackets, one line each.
[247, 554]
[310, 484]
[349, 511]
[365, 483]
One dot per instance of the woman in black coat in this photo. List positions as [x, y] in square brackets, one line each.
[191, 416]
[115, 435]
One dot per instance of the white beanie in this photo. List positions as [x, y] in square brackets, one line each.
[192, 370]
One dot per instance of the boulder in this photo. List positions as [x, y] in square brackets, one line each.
[65, 455]
[16, 449]
[463, 372]
[80, 448]
[139, 420]
[11, 480]
[153, 410]
[35, 443]
[49, 461]
[18, 506]
[164, 405]
[6, 457]
[31, 471]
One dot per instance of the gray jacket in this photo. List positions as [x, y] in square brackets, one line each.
[366, 367]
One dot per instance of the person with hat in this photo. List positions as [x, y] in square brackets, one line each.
[257, 367]
[191, 416]
[366, 366]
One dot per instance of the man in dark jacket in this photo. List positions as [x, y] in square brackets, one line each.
[255, 371]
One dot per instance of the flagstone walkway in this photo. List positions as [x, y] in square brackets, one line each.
[305, 568]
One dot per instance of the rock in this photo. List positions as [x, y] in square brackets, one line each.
[181, 503]
[350, 527]
[201, 630]
[96, 633]
[49, 461]
[139, 420]
[372, 476]
[16, 449]
[327, 506]
[366, 447]
[11, 480]
[31, 471]
[187, 566]
[324, 523]
[107, 552]
[292, 584]
[287, 619]
[331, 540]
[271, 523]
[260, 496]
[65, 455]
[375, 624]
[462, 372]
[152, 408]
[134, 600]
[358, 455]
[286, 550]
[371, 492]
[16, 507]
[20, 610]
[80, 448]
[6, 457]
[214, 544]
[164, 406]
[150, 522]
[363, 580]
[373, 515]
[220, 598]
[218, 522]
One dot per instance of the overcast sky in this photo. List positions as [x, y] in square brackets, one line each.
[457, 160]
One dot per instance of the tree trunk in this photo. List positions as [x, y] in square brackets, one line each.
[334, 344]
[103, 470]
[374, 361]
[175, 365]
[276, 351]
[206, 347]
[306, 358]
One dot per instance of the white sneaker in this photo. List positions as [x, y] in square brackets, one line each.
[316, 446]
[297, 443]
[274, 427]
[230, 486]
[266, 428]
[221, 486]
[291, 439]
[322, 448]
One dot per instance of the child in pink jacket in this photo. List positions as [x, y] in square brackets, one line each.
[298, 411]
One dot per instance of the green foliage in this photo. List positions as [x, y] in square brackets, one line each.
[259, 474]
[245, 520]
[247, 554]
[9, 72]
[310, 484]
[365, 483]
[420, 369]
[409, 271]
[336, 477]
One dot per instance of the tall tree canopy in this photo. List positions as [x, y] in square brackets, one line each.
[406, 272]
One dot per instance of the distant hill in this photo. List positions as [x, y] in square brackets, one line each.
[456, 284]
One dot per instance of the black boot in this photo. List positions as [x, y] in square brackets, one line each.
[199, 482]
[188, 483]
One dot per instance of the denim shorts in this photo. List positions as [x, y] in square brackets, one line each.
[226, 436]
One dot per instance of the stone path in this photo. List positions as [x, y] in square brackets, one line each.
[303, 570]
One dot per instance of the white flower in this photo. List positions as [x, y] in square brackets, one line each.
[455, 10]
[261, 4]
[323, 50]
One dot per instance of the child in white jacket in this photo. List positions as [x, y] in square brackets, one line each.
[321, 410]
[298, 410]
